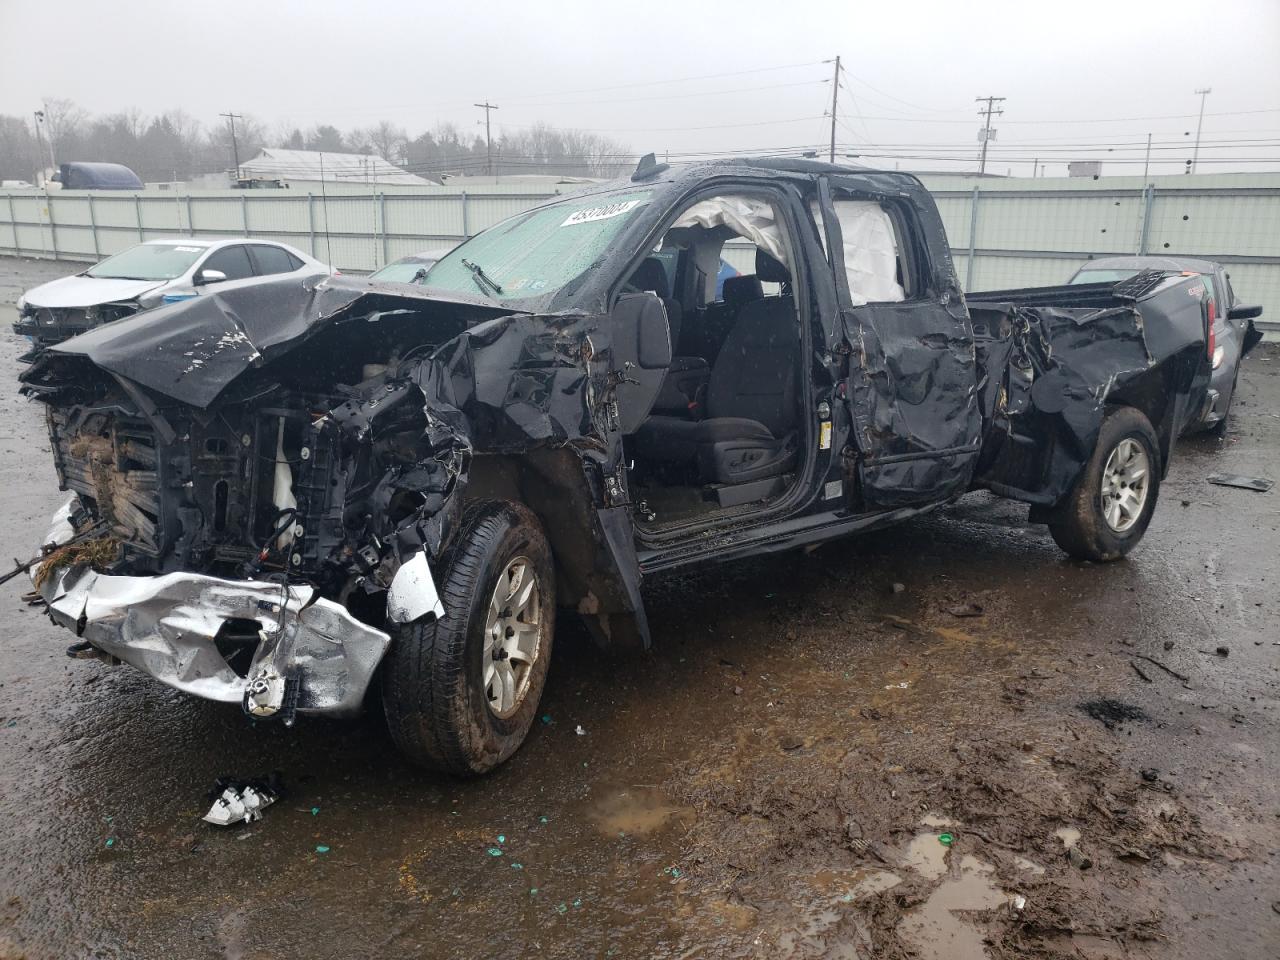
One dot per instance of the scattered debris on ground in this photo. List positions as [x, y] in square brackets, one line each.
[1111, 712]
[1258, 484]
[242, 801]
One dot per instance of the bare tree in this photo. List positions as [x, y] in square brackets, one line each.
[173, 145]
[388, 140]
[542, 148]
[19, 153]
[64, 121]
[251, 137]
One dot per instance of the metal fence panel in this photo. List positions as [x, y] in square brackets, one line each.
[1027, 232]
[1216, 226]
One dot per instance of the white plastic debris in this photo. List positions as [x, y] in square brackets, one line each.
[236, 805]
[264, 694]
[1019, 902]
[579, 731]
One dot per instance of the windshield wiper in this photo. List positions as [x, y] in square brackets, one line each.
[482, 279]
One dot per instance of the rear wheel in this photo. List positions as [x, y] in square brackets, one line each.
[1108, 510]
[460, 694]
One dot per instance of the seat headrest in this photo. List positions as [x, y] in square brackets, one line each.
[769, 269]
[739, 291]
[650, 276]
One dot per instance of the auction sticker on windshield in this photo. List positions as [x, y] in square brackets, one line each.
[605, 212]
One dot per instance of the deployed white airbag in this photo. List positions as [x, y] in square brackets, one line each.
[747, 217]
[870, 251]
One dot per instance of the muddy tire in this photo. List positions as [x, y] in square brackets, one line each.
[1108, 510]
[460, 694]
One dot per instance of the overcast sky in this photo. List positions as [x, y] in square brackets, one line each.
[749, 75]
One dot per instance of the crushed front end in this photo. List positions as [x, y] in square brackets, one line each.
[257, 550]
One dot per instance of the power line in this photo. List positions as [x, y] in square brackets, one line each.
[651, 83]
[686, 95]
[866, 131]
[703, 126]
[907, 103]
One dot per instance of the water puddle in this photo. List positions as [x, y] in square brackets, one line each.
[637, 811]
[818, 936]
[935, 929]
[926, 855]
[845, 886]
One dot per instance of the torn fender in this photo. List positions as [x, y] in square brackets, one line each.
[529, 399]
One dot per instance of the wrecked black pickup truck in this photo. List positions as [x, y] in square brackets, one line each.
[284, 493]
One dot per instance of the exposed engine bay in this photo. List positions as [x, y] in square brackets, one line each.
[279, 482]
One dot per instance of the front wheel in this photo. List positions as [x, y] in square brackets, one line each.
[1109, 508]
[461, 693]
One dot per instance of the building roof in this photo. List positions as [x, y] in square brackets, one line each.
[273, 163]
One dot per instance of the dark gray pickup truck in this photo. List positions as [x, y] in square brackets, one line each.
[290, 495]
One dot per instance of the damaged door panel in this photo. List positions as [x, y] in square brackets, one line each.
[283, 490]
[912, 376]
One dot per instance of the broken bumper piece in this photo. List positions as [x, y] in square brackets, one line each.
[310, 655]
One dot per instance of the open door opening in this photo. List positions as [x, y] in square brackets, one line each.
[725, 435]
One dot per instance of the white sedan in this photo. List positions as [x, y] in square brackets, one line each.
[151, 274]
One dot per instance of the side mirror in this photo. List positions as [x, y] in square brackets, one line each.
[1240, 312]
[653, 335]
[209, 276]
[641, 354]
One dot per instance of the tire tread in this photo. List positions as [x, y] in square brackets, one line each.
[426, 666]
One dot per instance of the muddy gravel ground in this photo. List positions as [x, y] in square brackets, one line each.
[943, 741]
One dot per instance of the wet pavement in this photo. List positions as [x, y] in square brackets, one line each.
[812, 763]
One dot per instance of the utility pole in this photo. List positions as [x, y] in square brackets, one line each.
[1146, 164]
[235, 147]
[488, 138]
[1195, 156]
[986, 133]
[53, 167]
[835, 93]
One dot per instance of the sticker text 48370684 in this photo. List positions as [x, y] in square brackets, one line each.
[604, 212]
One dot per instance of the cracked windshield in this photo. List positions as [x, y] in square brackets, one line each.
[538, 253]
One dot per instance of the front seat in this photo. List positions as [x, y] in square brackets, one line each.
[687, 376]
[752, 398]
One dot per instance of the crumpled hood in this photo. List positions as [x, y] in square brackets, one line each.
[82, 291]
[191, 350]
